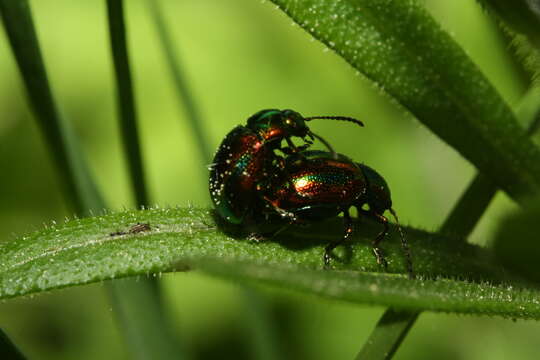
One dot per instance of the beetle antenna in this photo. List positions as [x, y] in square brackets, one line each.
[343, 118]
[404, 245]
[334, 153]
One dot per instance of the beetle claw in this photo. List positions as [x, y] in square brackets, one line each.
[257, 238]
[380, 258]
[286, 214]
[326, 259]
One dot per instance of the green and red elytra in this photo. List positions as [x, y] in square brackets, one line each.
[246, 161]
[315, 185]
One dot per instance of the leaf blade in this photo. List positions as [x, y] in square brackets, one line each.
[83, 251]
[402, 49]
[391, 290]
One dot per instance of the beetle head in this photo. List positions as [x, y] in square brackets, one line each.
[294, 124]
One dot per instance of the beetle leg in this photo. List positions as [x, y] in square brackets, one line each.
[347, 221]
[286, 151]
[286, 214]
[376, 249]
[304, 147]
[291, 144]
[291, 217]
[256, 237]
[293, 149]
[259, 238]
[281, 229]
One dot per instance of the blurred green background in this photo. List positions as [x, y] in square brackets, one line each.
[239, 57]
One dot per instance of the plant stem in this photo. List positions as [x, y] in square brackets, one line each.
[79, 188]
[394, 325]
[470, 208]
[147, 332]
[262, 334]
[143, 323]
[263, 338]
[126, 100]
[63, 145]
[388, 335]
[8, 350]
[185, 99]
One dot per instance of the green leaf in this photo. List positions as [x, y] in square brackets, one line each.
[520, 20]
[388, 335]
[521, 15]
[64, 147]
[394, 325]
[516, 243]
[126, 100]
[148, 333]
[399, 46]
[74, 174]
[8, 350]
[528, 55]
[180, 80]
[439, 294]
[83, 251]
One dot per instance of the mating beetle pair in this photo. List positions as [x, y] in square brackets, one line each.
[246, 159]
[250, 181]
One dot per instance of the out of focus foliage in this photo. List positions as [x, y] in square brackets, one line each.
[240, 57]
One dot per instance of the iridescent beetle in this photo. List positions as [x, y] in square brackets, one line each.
[316, 186]
[246, 160]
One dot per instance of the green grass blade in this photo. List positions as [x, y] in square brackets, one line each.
[139, 312]
[262, 334]
[8, 350]
[516, 243]
[390, 332]
[64, 147]
[470, 207]
[440, 294]
[521, 15]
[264, 345]
[395, 325]
[155, 341]
[84, 251]
[528, 110]
[401, 48]
[126, 100]
[475, 200]
[74, 174]
[147, 332]
[185, 99]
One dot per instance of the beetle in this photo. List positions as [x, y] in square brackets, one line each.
[315, 185]
[246, 160]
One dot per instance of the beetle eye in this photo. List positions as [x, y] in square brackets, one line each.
[288, 122]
